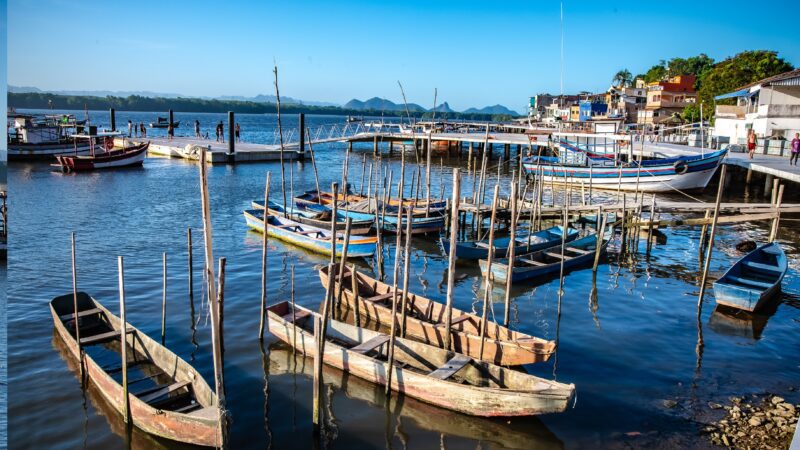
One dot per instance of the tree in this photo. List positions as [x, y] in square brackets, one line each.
[696, 65]
[691, 113]
[656, 73]
[622, 78]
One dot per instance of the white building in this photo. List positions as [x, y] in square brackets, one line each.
[771, 107]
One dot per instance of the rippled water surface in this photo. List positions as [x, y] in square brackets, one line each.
[627, 349]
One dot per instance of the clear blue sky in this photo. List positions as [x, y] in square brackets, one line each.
[476, 53]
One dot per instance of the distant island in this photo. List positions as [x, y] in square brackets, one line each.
[33, 98]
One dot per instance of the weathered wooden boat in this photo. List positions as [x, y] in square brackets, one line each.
[753, 279]
[538, 241]
[167, 396]
[440, 377]
[41, 137]
[318, 216]
[311, 238]
[163, 122]
[655, 175]
[420, 206]
[536, 264]
[103, 157]
[425, 322]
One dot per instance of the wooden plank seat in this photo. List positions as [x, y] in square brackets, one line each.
[456, 321]
[371, 344]
[452, 366]
[532, 262]
[297, 316]
[749, 282]
[149, 395]
[102, 337]
[88, 312]
[761, 266]
[307, 232]
[554, 255]
[380, 297]
[482, 245]
[578, 250]
[190, 407]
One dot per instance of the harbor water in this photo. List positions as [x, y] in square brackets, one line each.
[628, 339]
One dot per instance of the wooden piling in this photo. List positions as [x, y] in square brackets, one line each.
[488, 292]
[428, 177]
[294, 313]
[126, 406]
[601, 228]
[335, 213]
[75, 307]
[406, 264]
[221, 312]
[164, 301]
[650, 226]
[707, 261]
[776, 221]
[314, 166]
[343, 262]
[354, 290]
[264, 316]
[510, 255]
[320, 330]
[280, 135]
[396, 276]
[191, 268]
[704, 233]
[451, 261]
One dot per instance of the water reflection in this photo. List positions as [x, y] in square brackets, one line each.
[736, 322]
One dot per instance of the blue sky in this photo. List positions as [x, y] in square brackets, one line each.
[476, 53]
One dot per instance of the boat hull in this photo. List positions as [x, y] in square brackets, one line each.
[471, 251]
[753, 280]
[357, 227]
[45, 152]
[133, 156]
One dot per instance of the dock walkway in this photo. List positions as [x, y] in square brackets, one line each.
[217, 152]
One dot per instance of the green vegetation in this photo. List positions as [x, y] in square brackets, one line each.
[622, 78]
[139, 103]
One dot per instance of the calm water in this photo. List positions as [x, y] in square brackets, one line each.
[627, 350]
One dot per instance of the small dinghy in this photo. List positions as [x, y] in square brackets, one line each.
[440, 377]
[576, 254]
[168, 397]
[754, 279]
[318, 216]
[539, 240]
[308, 237]
[425, 321]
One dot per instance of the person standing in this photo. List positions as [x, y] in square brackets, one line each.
[170, 131]
[238, 129]
[218, 130]
[143, 129]
[130, 129]
[795, 149]
[221, 131]
[197, 129]
[751, 142]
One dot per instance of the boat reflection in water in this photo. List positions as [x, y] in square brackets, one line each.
[521, 432]
[737, 322]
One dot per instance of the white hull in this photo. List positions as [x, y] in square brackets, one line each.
[45, 152]
[660, 183]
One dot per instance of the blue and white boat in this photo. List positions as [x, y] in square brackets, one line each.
[319, 216]
[754, 279]
[539, 240]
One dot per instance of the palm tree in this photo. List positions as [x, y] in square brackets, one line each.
[622, 78]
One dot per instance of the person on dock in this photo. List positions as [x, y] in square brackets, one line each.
[143, 130]
[751, 142]
[197, 129]
[130, 128]
[795, 149]
[238, 129]
[170, 131]
[221, 132]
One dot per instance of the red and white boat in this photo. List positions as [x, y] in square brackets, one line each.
[103, 154]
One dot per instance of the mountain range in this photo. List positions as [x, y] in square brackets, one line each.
[382, 104]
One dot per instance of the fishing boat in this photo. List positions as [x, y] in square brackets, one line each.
[311, 238]
[419, 205]
[163, 122]
[167, 396]
[36, 137]
[433, 375]
[524, 244]
[425, 322]
[655, 175]
[319, 217]
[577, 253]
[753, 279]
[104, 156]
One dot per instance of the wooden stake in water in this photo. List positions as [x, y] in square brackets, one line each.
[264, 316]
[343, 262]
[406, 262]
[334, 217]
[396, 276]
[511, 248]
[280, 134]
[773, 234]
[601, 228]
[191, 268]
[488, 291]
[221, 312]
[294, 313]
[451, 262]
[320, 330]
[428, 178]
[707, 262]
[75, 308]
[363, 173]
[164, 301]
[314, 165]
[123, 333]
[650, 225]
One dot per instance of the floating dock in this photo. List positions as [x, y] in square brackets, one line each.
[218, 152]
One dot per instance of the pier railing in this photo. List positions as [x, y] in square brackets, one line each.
[320, 134]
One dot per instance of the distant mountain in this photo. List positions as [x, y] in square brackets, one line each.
[496, 109]
[444, 108]
[381, 104]
[263, 98]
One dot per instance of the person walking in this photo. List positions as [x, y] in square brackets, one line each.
[752, 141]
[143, 129]
[221, 129]
[238, 129]
[197, 129]
[130, 129]
[795, 149]
[170, 131]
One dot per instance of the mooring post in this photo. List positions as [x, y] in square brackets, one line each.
[231, 134]
[349, 146]
[749, 177]
[334, 214]
[221, 312]
[320, 329]
[123, 332]
[650, 225]
[164, 300]
[391, 147]
[600, 223]
[451, 260]
[113, 115]
[75, 309]
[488, 288]
[343, 262]
[776, 221]
[302, 134]
[707, 262]
[406, 262]
[191, 270]
[171, 117]
[510, 254]
[507, 151]
[264, 315]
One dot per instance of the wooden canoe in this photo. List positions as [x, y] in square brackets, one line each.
[318, 218]
[540, 240]
[753, 279]
[577, 253]
[425, 322]
[433, 375]
[419, 208]
[311, 238]
[168, 397]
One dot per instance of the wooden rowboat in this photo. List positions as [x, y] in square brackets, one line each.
[167, 396]
[129, 156]
[440, 377]
[318, 218]
[754, 279]
[425, 322]
[311, 238]
[540, 240]
[419, 208]
[544, 262]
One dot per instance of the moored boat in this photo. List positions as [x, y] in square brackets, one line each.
[538, 241]
[36, 137]
[167, 396]
[319, 217]
[104, 156]
[311, 238]
[420, 206]
[577, 253]
[753, 279]
[424, 372]
[163, 122]
[425, 321]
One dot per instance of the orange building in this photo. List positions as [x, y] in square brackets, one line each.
[664, 98]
